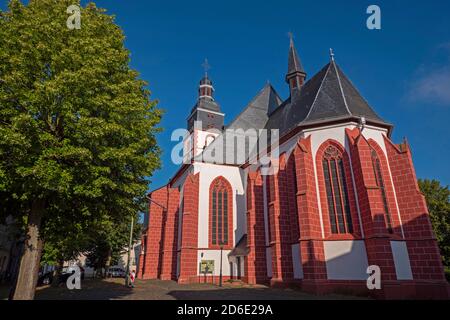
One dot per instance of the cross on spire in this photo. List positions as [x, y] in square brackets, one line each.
[206, 66]
[331, 54]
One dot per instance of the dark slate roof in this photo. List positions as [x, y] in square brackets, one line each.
[256, 114]
[327, 96]
[208, 104]
[294, 62]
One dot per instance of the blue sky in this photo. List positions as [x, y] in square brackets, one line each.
[403, 70]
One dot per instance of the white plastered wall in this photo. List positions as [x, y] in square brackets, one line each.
[237, 178]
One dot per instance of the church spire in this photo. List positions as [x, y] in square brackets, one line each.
[206, 89]
[296, 75]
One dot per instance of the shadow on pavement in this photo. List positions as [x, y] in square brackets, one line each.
[252, 294]
[90, 290]
[114, 289]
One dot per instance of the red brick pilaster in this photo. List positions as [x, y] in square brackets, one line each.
[424, 255]
[152, 258]
[189, 233]
[170, 238]
[311, 240]
[377, 237]
[291, 184]
[280, 233]
[255, 262]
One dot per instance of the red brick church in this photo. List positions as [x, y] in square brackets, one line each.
[333, 196]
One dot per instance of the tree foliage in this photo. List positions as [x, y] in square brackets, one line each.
[107, 244]
[438, 200]
[77, 124]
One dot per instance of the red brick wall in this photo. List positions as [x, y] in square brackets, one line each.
[311, 241]
[422, 246]
[153, 252]
[189, 233]
[170, 236]
[291, 184]
[390, 195]
[255, 263]
[280, 232]
[377, 238]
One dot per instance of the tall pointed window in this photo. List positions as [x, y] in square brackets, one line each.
[337, 192]
[380, 184]
[220, 213]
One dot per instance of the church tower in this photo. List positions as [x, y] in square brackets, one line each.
[206, 120]
[207, 110]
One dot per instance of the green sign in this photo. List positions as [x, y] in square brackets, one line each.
[207, 266]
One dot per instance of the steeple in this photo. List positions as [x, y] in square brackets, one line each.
[206, 111]
[206, 89]
[296, 75]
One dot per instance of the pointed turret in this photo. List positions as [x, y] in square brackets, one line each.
[296, 75]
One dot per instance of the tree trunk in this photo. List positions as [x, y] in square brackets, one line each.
[108, 263]
[31, 257]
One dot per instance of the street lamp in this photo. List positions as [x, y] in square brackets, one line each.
[127, 278]
[221, 254]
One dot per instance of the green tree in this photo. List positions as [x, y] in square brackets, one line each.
[107, 244]
[64, 242]
[438, 200]
[77, 125]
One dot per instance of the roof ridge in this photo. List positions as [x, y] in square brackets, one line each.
[317, 93]
[340, 87]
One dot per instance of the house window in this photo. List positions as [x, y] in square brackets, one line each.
[337, 191]
[221, 215]
[380, 184]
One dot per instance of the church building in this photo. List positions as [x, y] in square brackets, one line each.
[308, 191]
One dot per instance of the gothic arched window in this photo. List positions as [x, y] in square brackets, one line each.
[221, 213]
[380, 184]
[337, 191]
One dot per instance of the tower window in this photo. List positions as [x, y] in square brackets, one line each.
[337, 192]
